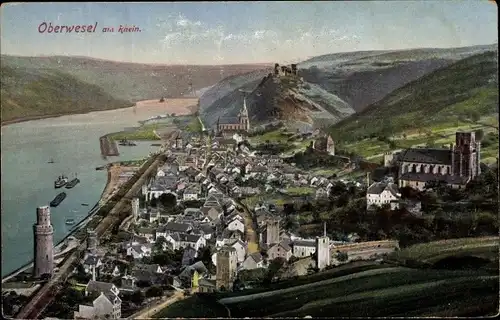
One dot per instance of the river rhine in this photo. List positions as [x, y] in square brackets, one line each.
[27, 180]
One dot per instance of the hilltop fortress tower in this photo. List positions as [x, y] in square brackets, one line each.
[43, 262]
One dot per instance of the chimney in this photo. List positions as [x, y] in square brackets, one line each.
[93, 273]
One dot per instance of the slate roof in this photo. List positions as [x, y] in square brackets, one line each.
[98, 286]
[189, 237]
[177, 227]
[284, 245]
[304, 243]
[379, 187]
[256, 256]
[425, 155]
[425, 177]
[91, 260]
[229, 120]
[206, 283]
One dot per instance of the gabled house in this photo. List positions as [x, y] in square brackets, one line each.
[241, 249]
[191, 192]
[281, 249]
[236, 224]
[148, 233]
[253, 261]
[91, 262]
[106, 305]
[139, 251]
[383, 193]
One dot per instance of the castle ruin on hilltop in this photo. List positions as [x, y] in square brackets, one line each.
[281, 71]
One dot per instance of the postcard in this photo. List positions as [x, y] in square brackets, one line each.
[269, 159]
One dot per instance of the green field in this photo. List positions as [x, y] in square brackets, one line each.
[298, 191]
[145, 132]
[428, 111]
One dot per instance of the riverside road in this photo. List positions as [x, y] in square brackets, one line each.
[47, 293]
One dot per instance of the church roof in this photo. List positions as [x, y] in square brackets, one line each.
[424, 155]
[425, 177]
[229, 120]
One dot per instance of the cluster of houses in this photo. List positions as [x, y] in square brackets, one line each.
[208, 178]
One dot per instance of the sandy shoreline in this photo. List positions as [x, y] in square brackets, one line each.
[179, 106]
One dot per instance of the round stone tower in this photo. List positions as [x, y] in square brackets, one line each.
[43, 262]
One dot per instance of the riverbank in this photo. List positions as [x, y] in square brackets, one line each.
[114, 171]
[54, 115]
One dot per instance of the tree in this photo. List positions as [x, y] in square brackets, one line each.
[274, 267]
[167, 200]
[342, 256]
[154, 291]
[158, 246]
[153, 202]
[474, 116]
[479, 134]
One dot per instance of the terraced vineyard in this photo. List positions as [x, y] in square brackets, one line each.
[391, 291]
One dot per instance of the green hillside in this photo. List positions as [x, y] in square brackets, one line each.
[30, 94]
[463, 95]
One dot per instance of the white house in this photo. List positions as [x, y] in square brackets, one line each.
[104, 306]
[107, 304]
[139, 251]
[241, 249]
[382, 193]
[303, 248]
[236, 224]
[191, 193]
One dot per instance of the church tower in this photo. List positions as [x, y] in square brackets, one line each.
[243, 116]
[466, 155]
[323, 250]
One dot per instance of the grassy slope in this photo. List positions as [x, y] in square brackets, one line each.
[367, 289]
[437, 102]
[37, 93]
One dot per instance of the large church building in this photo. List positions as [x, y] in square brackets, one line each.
[455, 166]
[233, 124]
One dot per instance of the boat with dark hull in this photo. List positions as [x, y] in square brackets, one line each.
[70, 221]
[60, 182]
[72, 183]
[58, 199]
[126, 143]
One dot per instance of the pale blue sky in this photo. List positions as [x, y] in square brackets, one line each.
[246, 32]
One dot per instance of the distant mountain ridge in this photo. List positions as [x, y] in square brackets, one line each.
[444, 96]
[132, 81]
[363, 78]
[352, 80]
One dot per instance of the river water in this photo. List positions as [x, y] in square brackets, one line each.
[27, 180]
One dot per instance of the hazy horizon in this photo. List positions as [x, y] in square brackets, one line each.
[245, 32]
